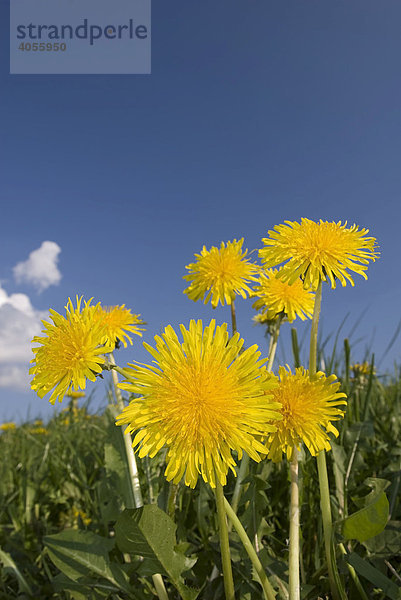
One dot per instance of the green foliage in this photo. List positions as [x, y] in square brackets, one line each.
[364, 568]
[68, 530]
[370, 520]
[150, 533]
[10, 567]
[83, 557]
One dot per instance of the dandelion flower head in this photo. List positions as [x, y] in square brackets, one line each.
[38, 431]
[362, 369]
[220, 274]
[117, 321]
[308, 407]
[277, 297]
[70, 352]
[202, 399]
[314, 251]
[10, 426]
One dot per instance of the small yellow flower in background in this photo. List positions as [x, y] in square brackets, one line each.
[362, 369]
[202, 399]
[8, 426]
[117, 320]
[220, 274]
[70, 352]
[277, 297]
[78, 514]
[325, 250]
[308, 407]
[38, 430]
[76, 395]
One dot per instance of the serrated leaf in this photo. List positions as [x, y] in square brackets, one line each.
[77, 590]
[372, 518]
[83, 553]
[149, 532]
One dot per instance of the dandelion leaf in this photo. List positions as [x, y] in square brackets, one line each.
[371, 519]
[81, 554]
[149, 532]
[387, 543]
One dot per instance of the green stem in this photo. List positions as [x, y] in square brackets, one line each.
[294, 587]
[313, 332]
[159, 586]
[149, 479]
[224, 543]
[131, 461]
[273, 344]
[243, 470]
[113, 367]
[133, 470]
[269, 592]
[334, 577]
[172, 495]
[233, 317]
[242, 473]
[354, 576]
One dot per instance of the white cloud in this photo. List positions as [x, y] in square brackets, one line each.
[19, 323]
[15, 377]
[20, 302]
[41, 267]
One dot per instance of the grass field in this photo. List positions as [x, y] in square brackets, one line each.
[65, 483]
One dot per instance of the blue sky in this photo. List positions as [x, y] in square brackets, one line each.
[255, 112]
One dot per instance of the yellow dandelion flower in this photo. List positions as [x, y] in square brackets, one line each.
[70, 352]
[277, 297]
[38, 430]
[308, 407]
[78, 514]
[117, 320]
[220, 273]
[202, 399]
[323, 250]
[8, 426]
[362, 369]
